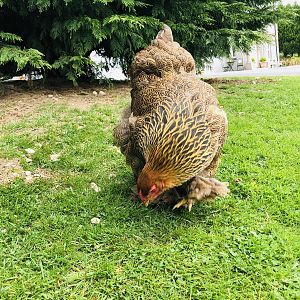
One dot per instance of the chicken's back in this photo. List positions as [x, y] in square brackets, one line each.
[166, 70]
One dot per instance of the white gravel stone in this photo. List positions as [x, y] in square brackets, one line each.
[95, 220]
[54, 156]
[29, 179]
[95, 187]
[29, 151]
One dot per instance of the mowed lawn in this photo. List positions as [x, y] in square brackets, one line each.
[245, 246]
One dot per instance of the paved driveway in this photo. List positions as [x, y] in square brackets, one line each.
[280, 71]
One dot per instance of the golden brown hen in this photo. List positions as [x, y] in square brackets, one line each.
[173, 133]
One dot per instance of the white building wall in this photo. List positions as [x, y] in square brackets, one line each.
[216, 65]
[251, 60]
[115, 72]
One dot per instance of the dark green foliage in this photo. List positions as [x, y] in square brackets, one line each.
[13, 58]
[67, 31]
[289, 31]
[210, 28]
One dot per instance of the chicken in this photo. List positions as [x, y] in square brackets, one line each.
[173, 133]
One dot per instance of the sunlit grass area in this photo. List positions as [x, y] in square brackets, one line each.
[245, 246]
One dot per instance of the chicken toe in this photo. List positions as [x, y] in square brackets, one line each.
[186, 202]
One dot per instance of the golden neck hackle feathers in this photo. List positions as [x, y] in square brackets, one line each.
[175, 141]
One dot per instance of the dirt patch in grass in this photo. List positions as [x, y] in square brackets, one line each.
[19, 101]
[12, 169]
[216, 81]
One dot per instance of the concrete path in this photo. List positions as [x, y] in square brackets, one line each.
[279, 71]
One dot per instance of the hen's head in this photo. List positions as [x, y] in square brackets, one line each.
[150, 185]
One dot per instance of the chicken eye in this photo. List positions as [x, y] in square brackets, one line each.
[153, 190]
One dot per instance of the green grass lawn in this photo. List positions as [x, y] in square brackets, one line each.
[245, 246]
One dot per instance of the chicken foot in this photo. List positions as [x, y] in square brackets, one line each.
[202, 188]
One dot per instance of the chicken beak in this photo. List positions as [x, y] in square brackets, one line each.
[146, 203]
[144, 199]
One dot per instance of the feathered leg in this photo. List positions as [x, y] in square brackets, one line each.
[204, 187]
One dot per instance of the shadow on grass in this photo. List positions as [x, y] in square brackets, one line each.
[130, 212]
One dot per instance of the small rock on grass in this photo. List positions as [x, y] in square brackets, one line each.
[29, 151]
[95, 220]
[95, 93]
[29, 160]
[27, 173]
[29, 179]
[54, 156]
[101, 93]
[112, 175]
[95, 187]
